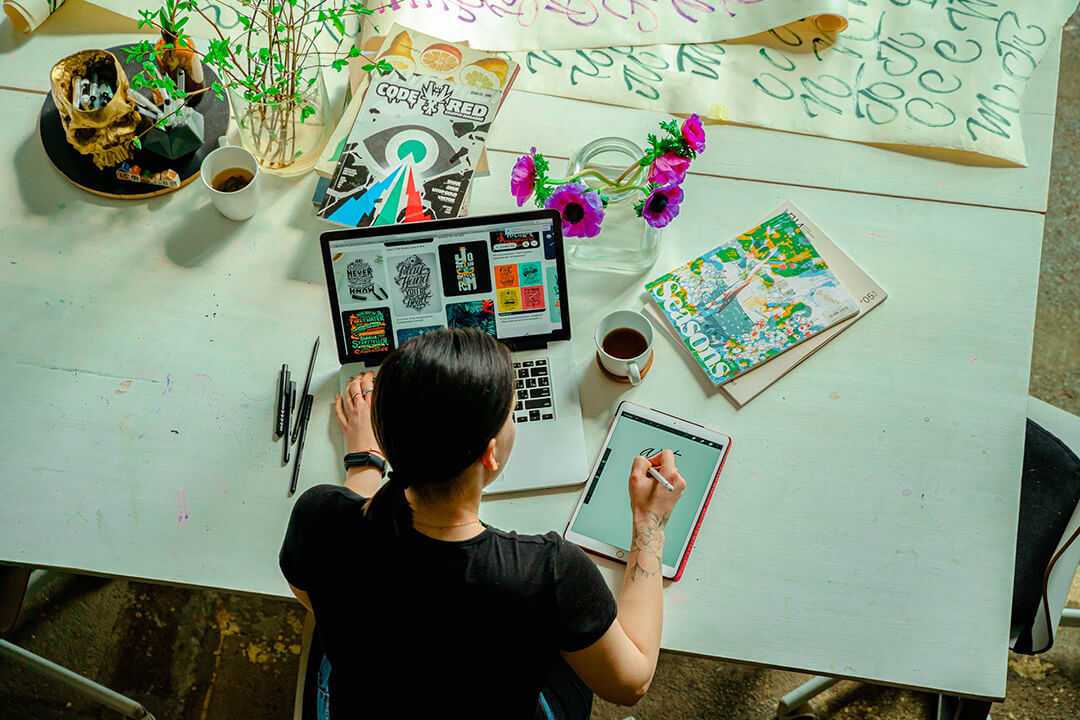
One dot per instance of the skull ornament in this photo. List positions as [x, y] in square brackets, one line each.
[105, 133]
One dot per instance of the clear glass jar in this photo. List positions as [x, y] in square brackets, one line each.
[626, 243]
[277, 133]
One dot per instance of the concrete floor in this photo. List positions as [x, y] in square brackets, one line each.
[195, 655]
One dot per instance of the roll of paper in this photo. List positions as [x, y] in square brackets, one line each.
[27, 15]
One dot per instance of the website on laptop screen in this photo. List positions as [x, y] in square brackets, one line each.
[501, 278]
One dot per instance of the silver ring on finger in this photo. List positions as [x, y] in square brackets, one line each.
[355, 394]
[365, 392]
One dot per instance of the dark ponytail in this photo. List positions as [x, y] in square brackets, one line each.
[439, 399]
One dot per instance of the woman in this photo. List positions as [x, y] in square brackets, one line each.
[424, 611]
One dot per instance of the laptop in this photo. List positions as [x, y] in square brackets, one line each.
[502, 274]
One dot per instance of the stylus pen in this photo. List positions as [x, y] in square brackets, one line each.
[307, 385]
[660, 479]
[291, 400]
[301, 424]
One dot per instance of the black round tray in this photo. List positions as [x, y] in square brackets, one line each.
[81, 170]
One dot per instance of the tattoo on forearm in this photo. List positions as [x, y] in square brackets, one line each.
[647, 546]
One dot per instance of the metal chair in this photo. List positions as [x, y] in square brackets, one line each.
[1049, 527]
[17, 583]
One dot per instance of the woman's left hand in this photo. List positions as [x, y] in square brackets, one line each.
[354, 414]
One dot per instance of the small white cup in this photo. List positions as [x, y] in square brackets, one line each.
[632, 367]
[240, 204]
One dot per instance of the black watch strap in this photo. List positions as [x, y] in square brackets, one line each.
[360, 459]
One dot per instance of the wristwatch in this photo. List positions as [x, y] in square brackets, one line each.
[360, 459]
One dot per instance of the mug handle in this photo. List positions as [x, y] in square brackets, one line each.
[634, 373]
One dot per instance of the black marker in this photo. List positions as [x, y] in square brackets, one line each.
[301, 424]
[307, 386]
[292, 402]
[283, 383]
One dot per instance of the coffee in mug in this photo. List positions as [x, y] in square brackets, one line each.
[232, 179]
[624, 343]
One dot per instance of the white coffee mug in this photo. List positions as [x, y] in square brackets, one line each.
[622, 363]
[239, 204]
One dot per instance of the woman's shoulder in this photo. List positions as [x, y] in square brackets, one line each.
[320, 499]
[549, 543]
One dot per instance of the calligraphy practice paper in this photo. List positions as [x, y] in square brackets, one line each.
[912, 72]
[555, 24]
[27, 15]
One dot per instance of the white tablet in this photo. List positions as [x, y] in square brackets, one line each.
[601, 522]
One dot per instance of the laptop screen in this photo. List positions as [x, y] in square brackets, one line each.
[501, 274]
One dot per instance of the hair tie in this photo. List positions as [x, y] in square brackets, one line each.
[398, 479]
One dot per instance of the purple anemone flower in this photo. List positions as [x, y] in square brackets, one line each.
[694, 134]
[523, 178]
[662, 205]
[582, 209]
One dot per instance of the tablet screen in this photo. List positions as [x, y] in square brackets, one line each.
[605, 510]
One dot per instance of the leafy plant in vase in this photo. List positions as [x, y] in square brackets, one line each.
[271, 68]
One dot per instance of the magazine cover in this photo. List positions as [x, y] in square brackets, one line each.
[752, 298]
[411, 153]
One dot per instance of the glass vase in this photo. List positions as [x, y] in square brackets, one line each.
[626, 243]
[284, 138]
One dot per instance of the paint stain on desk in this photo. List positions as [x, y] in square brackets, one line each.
[834, 395]
[182, 515]
[123, 387]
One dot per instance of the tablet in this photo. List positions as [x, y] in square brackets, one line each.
[601, 522]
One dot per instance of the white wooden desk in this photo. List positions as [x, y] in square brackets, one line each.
[867, 493]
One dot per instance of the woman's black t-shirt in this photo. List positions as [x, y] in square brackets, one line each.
[419, 627]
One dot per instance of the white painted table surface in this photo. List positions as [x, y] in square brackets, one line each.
[865, 492]
[736, 152]
[837, 551]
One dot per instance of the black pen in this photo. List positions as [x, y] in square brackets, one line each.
[292, 402]
[283, 384]
[307, 386]
[302, 423]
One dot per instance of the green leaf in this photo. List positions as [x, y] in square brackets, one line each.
[339, 64]
[354, 52]
[180, 23]
[137, 143]
[244, 21]
[306, 112]
[369, 67]
[264, 54]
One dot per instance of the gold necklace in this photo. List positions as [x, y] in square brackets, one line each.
[447, 527]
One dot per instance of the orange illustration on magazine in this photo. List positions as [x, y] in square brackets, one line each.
[441, 58]
[399, 54]
[486, 72]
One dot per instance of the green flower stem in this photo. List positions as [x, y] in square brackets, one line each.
[589, 172]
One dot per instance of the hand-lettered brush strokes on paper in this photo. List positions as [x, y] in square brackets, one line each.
[516, 25]
[928, 73]
[752, 298]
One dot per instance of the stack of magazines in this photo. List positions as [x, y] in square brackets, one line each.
[753, 308]
[409, 143]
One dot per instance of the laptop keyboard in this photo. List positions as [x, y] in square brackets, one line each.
[533, 385]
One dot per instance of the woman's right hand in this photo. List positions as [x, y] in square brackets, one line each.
[354, 414]
[647, 496]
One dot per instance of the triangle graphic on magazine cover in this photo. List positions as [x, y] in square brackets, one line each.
[389, 211]
[414, 206]
[355, 209]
